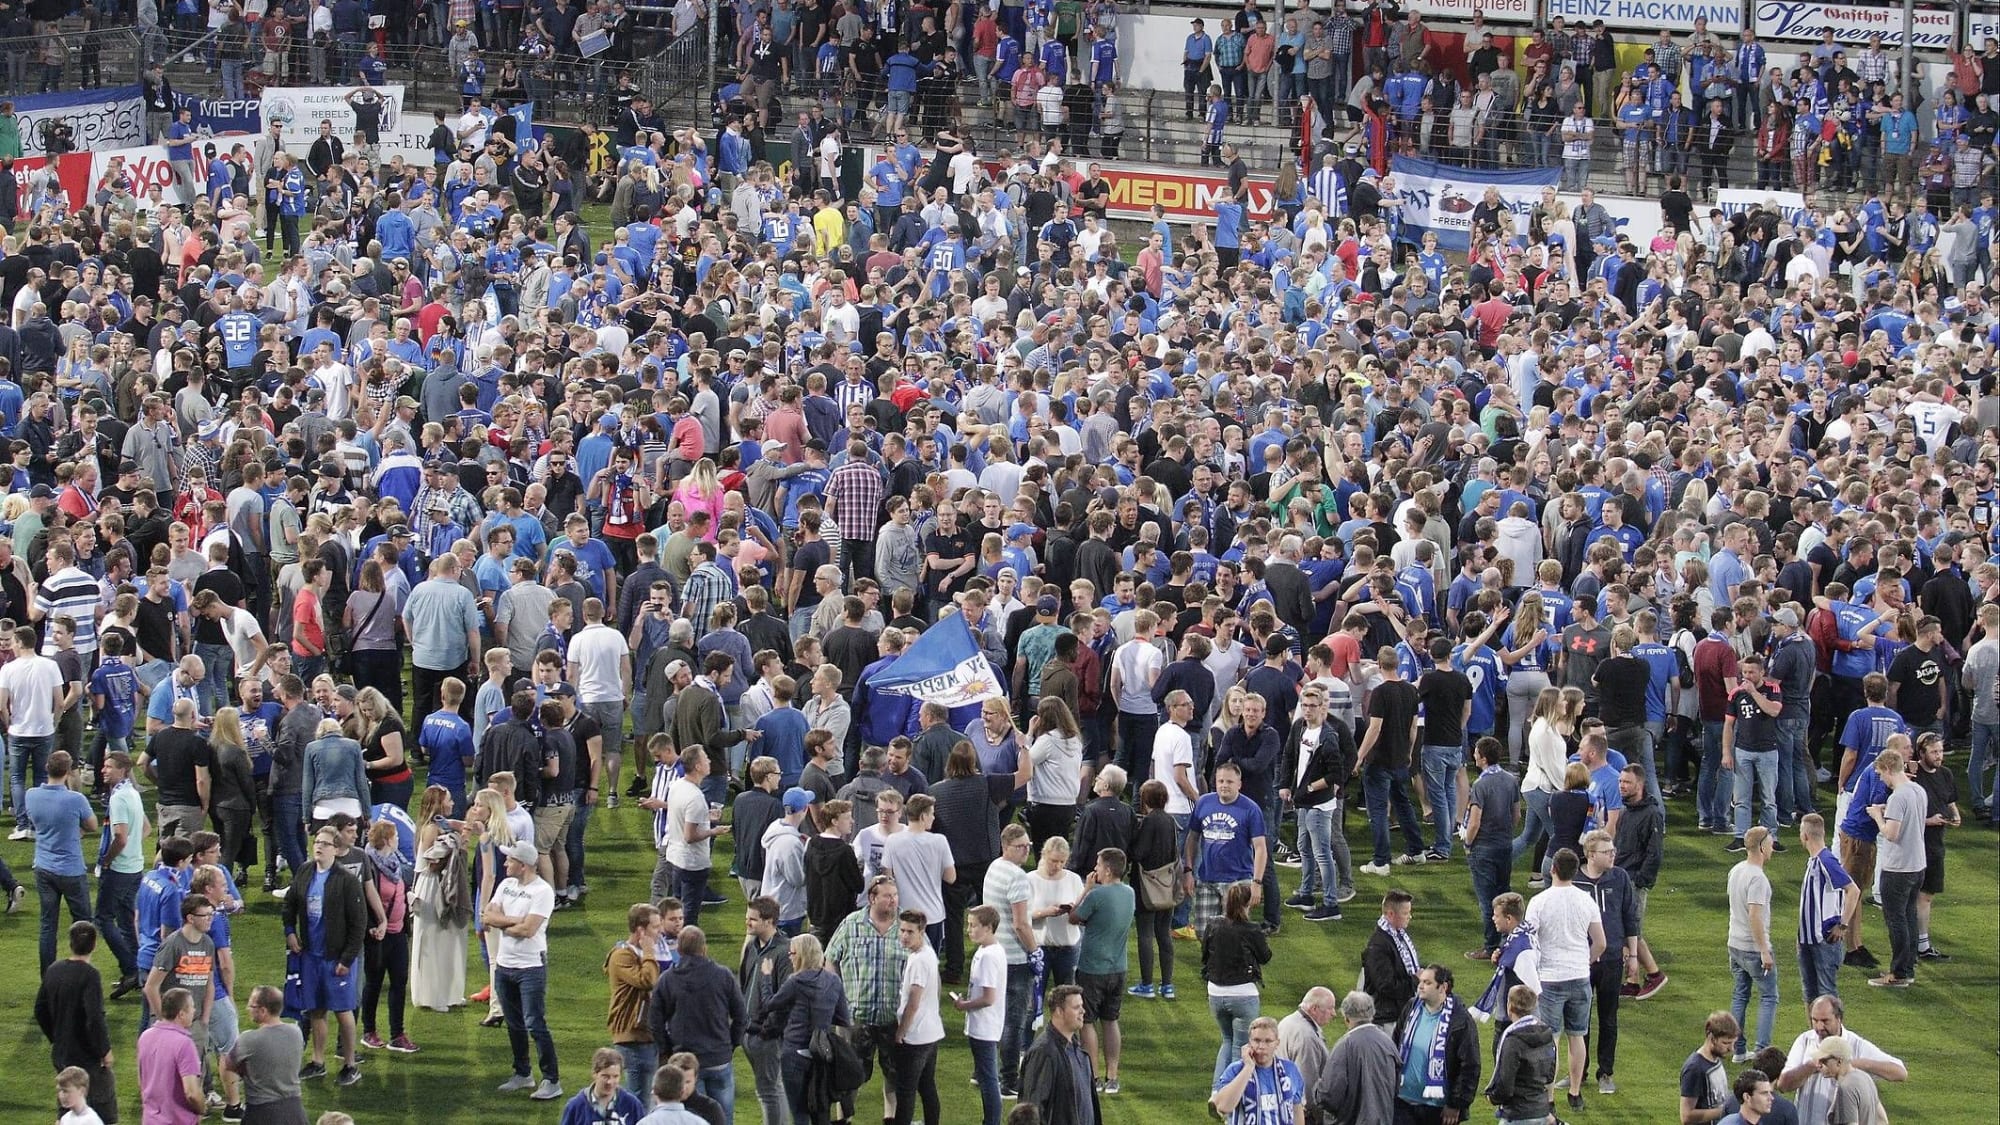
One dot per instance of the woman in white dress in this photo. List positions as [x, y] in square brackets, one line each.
[441, 904]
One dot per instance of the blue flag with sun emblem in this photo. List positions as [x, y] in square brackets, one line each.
[944, 666]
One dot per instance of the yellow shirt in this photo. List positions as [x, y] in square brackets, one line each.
[829, 230]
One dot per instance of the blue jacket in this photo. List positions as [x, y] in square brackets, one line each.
[880, 715]
[333, 770]
[697, 1007]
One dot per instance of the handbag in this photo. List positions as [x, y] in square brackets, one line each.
[344, 662]
[1158, 889]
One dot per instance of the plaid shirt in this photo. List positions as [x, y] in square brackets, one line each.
[1873, 66]
[1668, 56]
[1340, 33]
[707, 587]
[465, 511]
[1229, 50]
[856, 487]
[1582, 48]
[870, 964]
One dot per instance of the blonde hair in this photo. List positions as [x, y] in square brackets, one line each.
[498, 832]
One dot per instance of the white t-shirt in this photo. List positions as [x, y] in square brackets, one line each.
[1138, 663]
[686, 805]
[245, 639]
[868, 845]
[598, 651]
[921, 970]
[1748, 885]
[918, 860]
[1932, 421]
[517, 901]
[1562, 917]
[1043, 892]
[521, 821]
[989, 970]
[1172, 747]
[84, 1116]
[31, 682]
[1815, 1098]
[964, 174]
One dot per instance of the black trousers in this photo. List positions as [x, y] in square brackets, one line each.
[385, 960]
[960, 896]
[424, 684]
[1607, 979]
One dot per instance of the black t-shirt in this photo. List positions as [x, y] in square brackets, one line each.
[1754, 729]
[1621, 691]
[582, 728]
[175, 752]
[1444, 693]
[1916, 674]
[809, 558]
[154, 625]
[951, 547]
[229, 588]
[560, 745]
[1395, 703]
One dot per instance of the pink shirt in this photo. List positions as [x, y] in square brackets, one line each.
[166, 1055]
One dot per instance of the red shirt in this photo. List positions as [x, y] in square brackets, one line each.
[1714, 663]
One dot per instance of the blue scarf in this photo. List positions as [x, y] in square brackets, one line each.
[1494, 999]
[1434, 1066]
[1287, 1080]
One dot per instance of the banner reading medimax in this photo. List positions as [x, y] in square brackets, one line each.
[98, 119]
[300, 109]
[1440, 197]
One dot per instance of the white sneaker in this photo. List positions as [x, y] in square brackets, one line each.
[517, 1082]
[547, 1092]
[1374, 869]
[21, 834]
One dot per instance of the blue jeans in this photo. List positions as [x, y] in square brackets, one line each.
[719, 1082]
[986, 1075]
[1656, 737]
[1328, 869]
[1135, 745]
[691, 886]
[1384, 787]
[1183, 913]
[1795, 778]
[641, 1060]
[1014, 1025]
[1710, 802]
[1492, 871]
[523, 1004]
[1985, 740]
[1534, 824]
[54, 891]
[1232, 1018]
[574, 843]
[288, 810]
[27, 754]
[1756, 771]
[1819, 969]
[1059, 964]
[217, 662]
[1441, 766]
[1749, 972]
[1565, 1006]
[117, 896]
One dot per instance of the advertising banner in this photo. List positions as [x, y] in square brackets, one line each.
[1440, 197]
[147, 169]
[1186, 197]
[1506, 11]
[1790, 204]
[1725, 17]
[107, 118]
[214, 117]
[1981, 26]
[1935, 29]
[300, 109]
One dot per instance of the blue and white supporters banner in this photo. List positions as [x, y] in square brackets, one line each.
[109, 118]
[943, 666]
[214, 117]
[1440, 197]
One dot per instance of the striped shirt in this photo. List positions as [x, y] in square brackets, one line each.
[73, 592]
[664, 776]
[1326, 186]
[847, 395]
[1820, 897]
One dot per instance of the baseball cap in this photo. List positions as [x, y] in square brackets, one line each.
[561, 691]
[399, 531]
[329, 469]
[127, 466]
[797, 799]
[521, 852]
[1015, 531]
[608, 420]
[41, 492]
[1787, 617]
[1048, 606]
[441, 503]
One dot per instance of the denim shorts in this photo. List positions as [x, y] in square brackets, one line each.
[1566, 1004]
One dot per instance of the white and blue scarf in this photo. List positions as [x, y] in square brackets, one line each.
[1494, 999]
[1405, 948]
[1434, 1066]
[1285, 1079]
